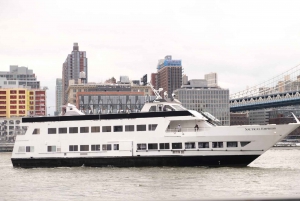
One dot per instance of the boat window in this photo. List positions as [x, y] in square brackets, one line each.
[95, 129]
[73, 148]
[63, 130]
[84, 147]
[51, 148]
[84, 130]
[168, 108]
[116, 146]
[29, 149]
[106, 129]
[51, 130]
[152, 146]
[21, 149]
[118, 128]
[178, 108]
[164, 146]
[106, 147]
[217, 145]
[244, 143]
[140, 127]
[129, 128]
[177, 145]
[202, 145]
[73, 130]
[232, 144]
[141, 146]
[95, 147]
[36, 131]
[190, 145]
[152, 108]
[152, 127]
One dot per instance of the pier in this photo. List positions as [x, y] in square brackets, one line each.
[6, 147]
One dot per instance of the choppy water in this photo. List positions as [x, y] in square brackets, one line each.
[274, 174]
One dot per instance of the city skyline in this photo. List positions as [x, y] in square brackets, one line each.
[243, 43]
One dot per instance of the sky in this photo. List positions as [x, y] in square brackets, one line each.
[245, 42]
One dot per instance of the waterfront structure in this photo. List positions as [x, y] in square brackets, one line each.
[212, 79]
[19, 77]
[9, 128]
[259, 117]
[75, 63]
[21, 102]
[169, 75]
[196, 95]
[58, 96]
[239, 119]
[106, 102]
[141, 88]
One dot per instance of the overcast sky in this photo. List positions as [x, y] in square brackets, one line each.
[245, 42]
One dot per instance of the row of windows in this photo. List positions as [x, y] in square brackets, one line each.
[96, 129]
[188, 145]
[93, 147]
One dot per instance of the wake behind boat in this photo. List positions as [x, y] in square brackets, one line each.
[164, 133]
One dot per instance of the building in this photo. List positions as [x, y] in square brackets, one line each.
[104, 102]
[154, 81]
[212, 79]
[239, 119]
[75, 63]
[259, 117]
[146, 90]
[19, 77]
[196, 95]
[20, 102]
[9, 128]
[169, 75]
[58, 96]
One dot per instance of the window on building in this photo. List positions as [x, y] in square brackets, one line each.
[36, 131]
[95, 147]
[177, 145]
[51, 130]
[244, 143]
[62, 130]
[73, 129]
[95, 129]
[232, 144]
[152, 127]
[164, 146]
[217, 144]
[190, 145]
[84, 147]
[202, 145]
[29, 148]
[106, 129]
[129, 128]
[116, 146]
[141, 127]
[106, 147]
[141, 146]
[73, 147]
[51, 148]
[152, 146]
[118, 128]
[84, 130]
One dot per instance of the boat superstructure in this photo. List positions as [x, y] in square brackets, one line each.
[163, 134]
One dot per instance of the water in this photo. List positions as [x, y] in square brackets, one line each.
[274, 174]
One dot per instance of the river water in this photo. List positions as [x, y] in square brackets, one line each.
[275, 174]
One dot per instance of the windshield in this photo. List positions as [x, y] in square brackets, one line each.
[178, 108]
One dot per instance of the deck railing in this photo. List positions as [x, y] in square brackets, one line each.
[186, 129]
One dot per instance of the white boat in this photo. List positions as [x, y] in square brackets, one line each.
[162, 134]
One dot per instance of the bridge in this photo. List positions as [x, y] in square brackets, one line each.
[282, 90]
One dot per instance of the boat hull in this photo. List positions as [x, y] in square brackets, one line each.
[136, 161]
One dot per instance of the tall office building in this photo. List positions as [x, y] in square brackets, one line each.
[75, 63]
[169, 75]
[20, 76]
[58, 96]
[212, 79]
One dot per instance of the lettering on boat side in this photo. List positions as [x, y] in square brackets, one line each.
[259, 129]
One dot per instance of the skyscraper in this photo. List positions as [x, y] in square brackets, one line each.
[169, 75]
[58, 96]
[75, 63]
[212, 79]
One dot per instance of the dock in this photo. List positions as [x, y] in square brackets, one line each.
[6, 147]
